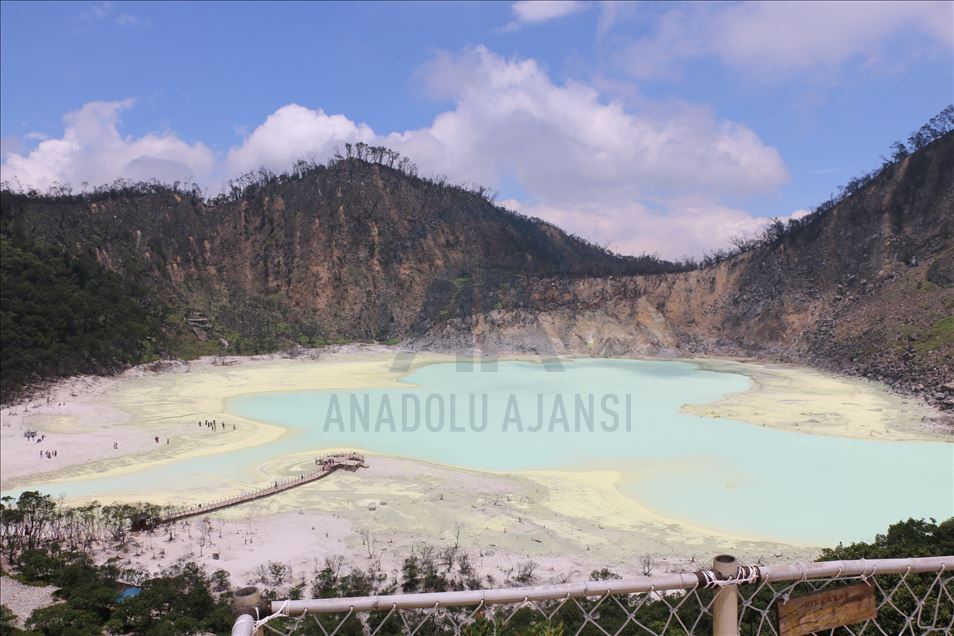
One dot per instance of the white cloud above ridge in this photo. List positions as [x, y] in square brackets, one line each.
[767, 40]
[674, 231]
[294, 132]
[93, 151]
[529, 12]
[582, 162]
[562, 140]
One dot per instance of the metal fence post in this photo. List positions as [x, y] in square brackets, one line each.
[725, 607]
[245, 605]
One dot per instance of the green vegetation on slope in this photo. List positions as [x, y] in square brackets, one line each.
[940, 334]
[61, 316]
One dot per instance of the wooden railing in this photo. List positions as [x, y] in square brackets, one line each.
[327, 465]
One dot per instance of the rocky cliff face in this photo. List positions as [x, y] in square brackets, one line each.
[867, 289]
[359, 251]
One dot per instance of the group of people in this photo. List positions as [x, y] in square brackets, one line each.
[214, 425]
[48, 454]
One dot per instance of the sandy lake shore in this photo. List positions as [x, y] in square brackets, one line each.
[810, 401]
[383, 511]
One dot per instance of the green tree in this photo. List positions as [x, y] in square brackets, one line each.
[63, 620]
[179, 603]
[62, 315]
[8, 621]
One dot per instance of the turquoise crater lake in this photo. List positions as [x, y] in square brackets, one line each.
[622, 415]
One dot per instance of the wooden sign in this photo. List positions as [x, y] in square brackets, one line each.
[827, 609]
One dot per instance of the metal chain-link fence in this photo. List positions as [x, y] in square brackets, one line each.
[912, 596]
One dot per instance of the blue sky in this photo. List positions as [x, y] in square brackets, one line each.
[649, 126]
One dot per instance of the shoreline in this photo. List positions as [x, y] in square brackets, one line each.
[883, 413]
[186, 439]
[579, 511]
[362, 367]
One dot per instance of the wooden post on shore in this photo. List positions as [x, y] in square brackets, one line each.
[725, 607]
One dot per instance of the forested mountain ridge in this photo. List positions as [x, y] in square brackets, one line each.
[360, 250]
[356, 250]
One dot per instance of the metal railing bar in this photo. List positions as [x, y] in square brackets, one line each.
[661, 583]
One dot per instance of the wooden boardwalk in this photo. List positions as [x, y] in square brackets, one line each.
[327, 464]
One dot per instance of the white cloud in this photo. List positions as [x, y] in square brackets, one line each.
[106, 11]
[588, 165]
[670, 232]
[537, 11]
[294, 132]
[92, 150]
[544, 10]
[765, 39]
[99, 10]
[510, 121]
[562, 142]
[673, 230]
[650, 180]
[611, 11]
